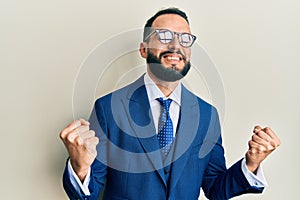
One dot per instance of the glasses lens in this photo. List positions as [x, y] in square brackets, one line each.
[165, 36]
[186, 39]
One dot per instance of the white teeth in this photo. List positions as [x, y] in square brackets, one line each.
[173, 58]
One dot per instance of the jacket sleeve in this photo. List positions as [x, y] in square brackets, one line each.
[96, 183]
[98, 168]
[220, 183]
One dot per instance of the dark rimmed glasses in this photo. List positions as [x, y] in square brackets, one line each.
[166, 36]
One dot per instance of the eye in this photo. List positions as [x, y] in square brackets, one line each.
[165, 36]
[186, 39]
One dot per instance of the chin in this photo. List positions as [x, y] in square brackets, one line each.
[174, 67]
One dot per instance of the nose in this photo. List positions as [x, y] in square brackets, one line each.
[174, 44]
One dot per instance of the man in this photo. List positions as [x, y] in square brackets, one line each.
[157, 139]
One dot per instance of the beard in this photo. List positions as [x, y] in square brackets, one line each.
[163, 73]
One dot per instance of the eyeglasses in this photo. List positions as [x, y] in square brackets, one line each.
[166, 36]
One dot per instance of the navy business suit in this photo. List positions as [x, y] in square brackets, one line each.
[129, 162]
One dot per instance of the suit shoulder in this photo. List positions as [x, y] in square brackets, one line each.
[107, 97]
[119, 93]
[207, 108]
[202, 103]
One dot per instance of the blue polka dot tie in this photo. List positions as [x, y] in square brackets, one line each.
[165, 126]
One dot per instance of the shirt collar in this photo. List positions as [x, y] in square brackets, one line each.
[154, 92]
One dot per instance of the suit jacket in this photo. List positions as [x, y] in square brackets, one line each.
[129, 164]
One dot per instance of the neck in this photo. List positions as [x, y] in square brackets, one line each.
[165, 87]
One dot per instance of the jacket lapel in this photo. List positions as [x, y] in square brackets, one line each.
[142, 124]
[187, 130]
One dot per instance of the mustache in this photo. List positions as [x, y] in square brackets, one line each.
[170, 52]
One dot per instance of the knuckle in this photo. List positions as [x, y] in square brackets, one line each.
[269, 130]
[257, 128]
[278, 142]
[70, 137]
[270, 148]
[255, 138]
[92, 132]
[78, 141]
[76, 123]
[250, 142]
[93, 152]
[261, 149]
[261, 133]
[61, 135]
[252, 151]
[76, 130]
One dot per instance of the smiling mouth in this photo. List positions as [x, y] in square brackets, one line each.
[172, 58]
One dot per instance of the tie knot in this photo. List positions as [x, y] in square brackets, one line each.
[165, 103]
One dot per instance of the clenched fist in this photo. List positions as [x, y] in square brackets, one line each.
[81, 144]
[262, 143]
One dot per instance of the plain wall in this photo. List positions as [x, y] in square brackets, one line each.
[254, 45]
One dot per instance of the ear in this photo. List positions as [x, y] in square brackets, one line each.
[143, 49]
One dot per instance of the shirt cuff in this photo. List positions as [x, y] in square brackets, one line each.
[257, 180]
[77, 184]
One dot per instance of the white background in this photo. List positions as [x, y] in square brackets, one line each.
[254, 44]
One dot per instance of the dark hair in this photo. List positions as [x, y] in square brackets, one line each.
[148, 25]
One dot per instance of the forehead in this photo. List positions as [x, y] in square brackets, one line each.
[172, 22]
